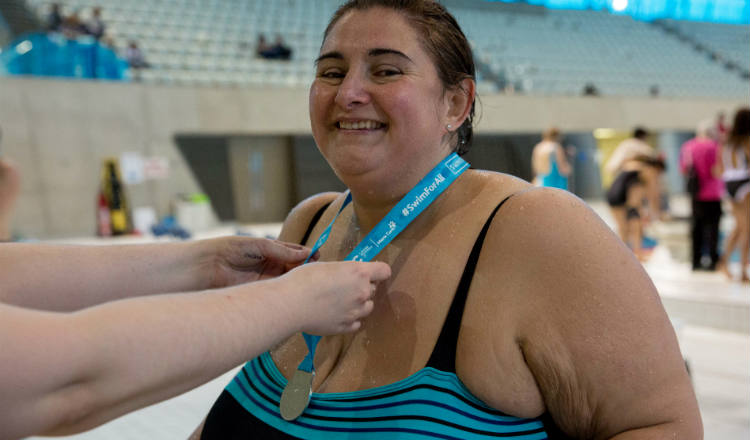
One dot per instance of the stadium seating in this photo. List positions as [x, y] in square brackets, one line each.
[558, 52]
[729, 41]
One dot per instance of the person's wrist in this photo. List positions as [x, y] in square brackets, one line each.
[296, 295]
[285, 294]
[203, 260]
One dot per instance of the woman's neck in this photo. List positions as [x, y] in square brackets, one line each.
[373, 201]
[367, 215]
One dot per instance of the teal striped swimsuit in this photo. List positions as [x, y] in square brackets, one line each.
[431, 403]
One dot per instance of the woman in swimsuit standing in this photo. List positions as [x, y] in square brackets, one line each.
[484, 329]
[734, 164]
[549, 162]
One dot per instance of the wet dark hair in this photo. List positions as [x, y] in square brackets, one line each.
[441, 37]
[640, 133]
[740, 128]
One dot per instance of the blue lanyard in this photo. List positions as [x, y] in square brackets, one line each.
[407, 209]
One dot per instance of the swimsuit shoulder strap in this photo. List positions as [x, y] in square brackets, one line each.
[313, 221]
[443, 356]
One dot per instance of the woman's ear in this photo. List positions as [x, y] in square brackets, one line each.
[459, 100]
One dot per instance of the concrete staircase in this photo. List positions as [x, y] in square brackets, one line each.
[700, 47]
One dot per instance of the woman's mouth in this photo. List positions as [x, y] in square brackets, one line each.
[359, 125]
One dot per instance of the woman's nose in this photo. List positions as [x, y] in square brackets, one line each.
[352, 91]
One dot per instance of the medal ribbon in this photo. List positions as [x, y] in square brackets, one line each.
[406, 210]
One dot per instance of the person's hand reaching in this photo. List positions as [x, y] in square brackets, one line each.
[336, 296]
[237, 260]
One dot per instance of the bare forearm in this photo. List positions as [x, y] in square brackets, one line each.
[112, 359]
[563, 160]
[188, 342]
[82, 276]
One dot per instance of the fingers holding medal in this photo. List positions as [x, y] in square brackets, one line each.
[340, 296]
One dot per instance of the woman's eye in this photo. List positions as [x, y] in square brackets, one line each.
[387, 72]
[331, 74]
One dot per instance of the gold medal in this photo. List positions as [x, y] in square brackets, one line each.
[296, 395]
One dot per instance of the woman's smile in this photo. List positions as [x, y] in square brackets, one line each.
[359, 127]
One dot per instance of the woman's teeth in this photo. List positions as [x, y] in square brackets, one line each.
[360, 125]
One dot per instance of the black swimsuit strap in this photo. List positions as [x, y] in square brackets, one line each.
[443, 356]
[313, 222]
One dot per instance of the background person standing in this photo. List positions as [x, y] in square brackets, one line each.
[551, 167]
[735, 171]
[699, 154]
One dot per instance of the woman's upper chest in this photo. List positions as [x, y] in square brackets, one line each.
[397, 338]
[400, 335]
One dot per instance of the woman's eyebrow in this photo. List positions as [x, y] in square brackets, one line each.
[329, 55]
[382, 51]
[378, 51]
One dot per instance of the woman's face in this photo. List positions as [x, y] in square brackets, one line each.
[377, 104]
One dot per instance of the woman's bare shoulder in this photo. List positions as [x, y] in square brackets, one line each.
[547, 226]
[582, 304]
[562, 252]
[496, 176]
[495, 184]
[299, 217]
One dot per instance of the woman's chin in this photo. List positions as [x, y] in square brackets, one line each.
[348, 173]
[355, 158]
[352, 171]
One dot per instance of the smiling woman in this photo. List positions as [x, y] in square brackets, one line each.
[367, 101]
[483, 331]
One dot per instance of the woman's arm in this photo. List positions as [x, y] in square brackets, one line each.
[63, 373]
[718, 169]
[295, 226]
[66, 278]
[593, 331]
[537, 166]
[562, 159]
[685, 159]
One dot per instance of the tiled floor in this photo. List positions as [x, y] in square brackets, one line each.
[711, 316]
[720, 362]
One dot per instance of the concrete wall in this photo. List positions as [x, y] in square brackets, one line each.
[262, 171]
[58, 131]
